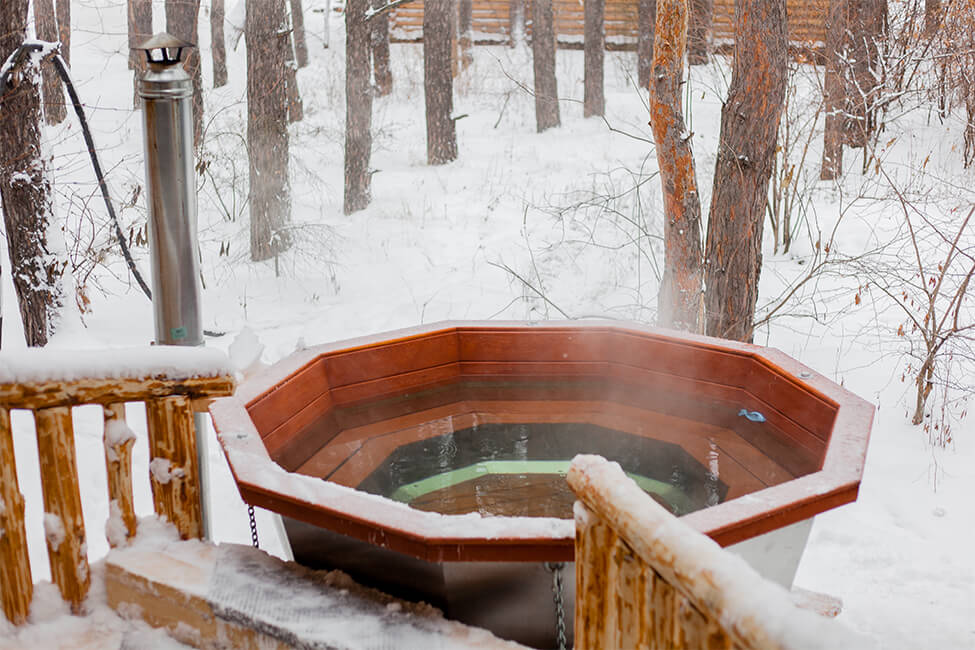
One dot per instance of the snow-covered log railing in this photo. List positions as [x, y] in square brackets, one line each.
[645, 579]
[174, 382]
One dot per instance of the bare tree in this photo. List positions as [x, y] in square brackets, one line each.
[25, 190]
[852, 86]
[267, 127]
[296, 109]
[438, 83]
[932, 16]
[543, 55]
[834, 92]
[182, 21]
[516, 22]
[465, 32]
[382, 71]
[746, 151]
[64, 28]
[47, 30]
[646, 19]
[358, 106]
[217, 43]
[594, 102]
[699, 31]
[140, 29]
[679, 304]
[298, 33]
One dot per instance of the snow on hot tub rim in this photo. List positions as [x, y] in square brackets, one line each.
[437, 537]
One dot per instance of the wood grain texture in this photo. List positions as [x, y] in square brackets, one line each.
[64, 522]
[175, 477]
[699, 598]
[16, 584]
[38, 395]
[118, 465]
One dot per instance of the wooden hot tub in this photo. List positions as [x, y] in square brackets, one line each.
[429, 461]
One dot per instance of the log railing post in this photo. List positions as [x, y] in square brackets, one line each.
[173, 470]
[644, 579]
[16, 584]
[64, 524]
[118, 465]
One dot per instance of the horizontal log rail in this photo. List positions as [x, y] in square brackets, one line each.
[173, 383]
[646, 580]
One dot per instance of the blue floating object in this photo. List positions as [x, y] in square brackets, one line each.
[753, 416]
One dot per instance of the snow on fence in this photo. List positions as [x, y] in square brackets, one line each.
[491, 21]
[644, 579]
[173, 382]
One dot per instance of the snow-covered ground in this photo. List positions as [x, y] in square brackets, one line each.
[576, 213]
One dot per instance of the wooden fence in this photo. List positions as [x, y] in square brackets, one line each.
[491, 22]
[644, 579]
[171, 397]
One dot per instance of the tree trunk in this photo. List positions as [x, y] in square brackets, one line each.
[646, 18]
[438, 84]
[64, 28]
[217, 43]
[46, 25]
[25, 192]
[298, 33]
[543, 55]
[267, 127]
[679, 303]
[593, 102]
[699, 31]
[834, 93]
[516, 22]
[296, 110]
[746, 152]
[382, 73]
[932, 17]
[358, 106]
[866, 21]
[182, 21]
[140, 29]
[465, 31]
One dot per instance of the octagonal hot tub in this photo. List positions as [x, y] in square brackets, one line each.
[430, 462]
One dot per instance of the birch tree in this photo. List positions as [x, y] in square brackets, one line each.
[25, 191]
[746, 149]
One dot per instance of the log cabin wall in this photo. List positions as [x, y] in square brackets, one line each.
[491, 22]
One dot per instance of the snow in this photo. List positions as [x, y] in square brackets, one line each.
[550, 206]
[53, 364]
[163, 472]
[53, 530]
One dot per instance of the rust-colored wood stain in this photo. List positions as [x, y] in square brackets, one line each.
[339, 410]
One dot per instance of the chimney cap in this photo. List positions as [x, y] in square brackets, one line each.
[165, 43]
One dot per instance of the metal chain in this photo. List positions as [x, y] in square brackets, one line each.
[556, 568]
[250, 513]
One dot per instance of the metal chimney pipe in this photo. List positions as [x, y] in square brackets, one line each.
[167, 108]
